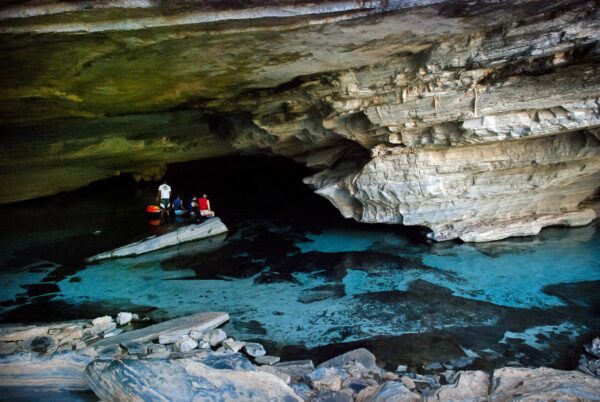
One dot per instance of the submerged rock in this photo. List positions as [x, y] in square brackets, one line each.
[181, 380]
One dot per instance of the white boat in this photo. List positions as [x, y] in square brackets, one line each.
[193, 231]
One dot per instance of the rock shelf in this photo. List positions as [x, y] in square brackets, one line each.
[191, 358]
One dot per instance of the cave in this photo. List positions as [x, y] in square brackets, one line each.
[405, 200]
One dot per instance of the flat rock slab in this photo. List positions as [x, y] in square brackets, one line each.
[543, 384]
[61, 371]
[182, 380]
[177, 326]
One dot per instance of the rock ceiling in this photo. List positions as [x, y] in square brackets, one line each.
[477, 119]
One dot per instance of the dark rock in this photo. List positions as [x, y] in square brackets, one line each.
[39, 344]
[322, 293]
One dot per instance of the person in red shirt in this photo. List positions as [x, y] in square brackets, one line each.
[204, 206]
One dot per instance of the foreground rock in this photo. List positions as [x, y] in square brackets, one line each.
[182, 380]
[543, 384]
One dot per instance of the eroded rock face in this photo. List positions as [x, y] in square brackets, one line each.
[474, 119]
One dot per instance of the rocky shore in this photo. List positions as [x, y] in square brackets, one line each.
[192, 358]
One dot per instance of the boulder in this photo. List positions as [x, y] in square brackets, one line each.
[267, 360]
[254, 349]
[593, 348]
[181, 380]
[185, 345]
[392, 391]
[470, 385]
[124, 318]
[296, 369]
[543, 383]
[73, 332]
[362, 356]
[327, 378]
[214, 337]
[178, 326]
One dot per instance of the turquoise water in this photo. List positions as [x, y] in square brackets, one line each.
[309, 285]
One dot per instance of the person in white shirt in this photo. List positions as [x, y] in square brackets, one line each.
[164, 195]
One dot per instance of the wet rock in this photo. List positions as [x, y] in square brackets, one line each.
[434, 366]
[267, 360]
[254, 349]
[181, 380]
[296, 369]
[233, 346]
[201, 322]
[392, 391]
[543, 383]
[40, 344]
[136, 348]
[185, 345]
[272, 370]
[60, 371]
[7, 348]
[470, 385]
[362, 356]
[327, 378]
[214, 337]
[124, 318]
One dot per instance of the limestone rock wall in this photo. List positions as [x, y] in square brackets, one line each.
[479, 120]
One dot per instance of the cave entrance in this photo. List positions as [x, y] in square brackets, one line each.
[249, 187]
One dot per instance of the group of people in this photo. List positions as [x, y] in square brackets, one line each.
[197, 205]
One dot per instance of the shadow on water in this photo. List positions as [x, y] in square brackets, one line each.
[296, 276]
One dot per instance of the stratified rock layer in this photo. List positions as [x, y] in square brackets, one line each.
[479, 120]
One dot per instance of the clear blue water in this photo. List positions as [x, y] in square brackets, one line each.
[312, 287]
